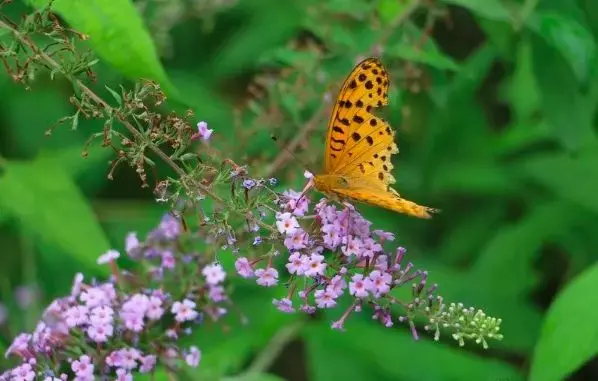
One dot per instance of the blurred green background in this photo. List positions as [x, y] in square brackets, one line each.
[494, 103]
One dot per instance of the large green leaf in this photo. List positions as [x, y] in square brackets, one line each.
[42, 196]
[570, 38]
[567, 106]
[118, 35]
[573, 178]
[569, 335]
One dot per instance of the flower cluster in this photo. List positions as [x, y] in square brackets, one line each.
[129, 323]
[334, 253]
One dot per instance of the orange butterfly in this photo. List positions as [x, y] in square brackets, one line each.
[359, 145]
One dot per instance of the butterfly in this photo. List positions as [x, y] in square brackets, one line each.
[359, 145]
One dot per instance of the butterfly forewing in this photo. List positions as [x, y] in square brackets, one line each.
[365, 88]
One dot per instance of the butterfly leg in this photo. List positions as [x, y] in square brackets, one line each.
[307, 187]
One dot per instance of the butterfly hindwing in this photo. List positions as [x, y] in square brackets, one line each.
[387, 200]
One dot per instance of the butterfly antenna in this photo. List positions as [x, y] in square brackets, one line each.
[275, 139]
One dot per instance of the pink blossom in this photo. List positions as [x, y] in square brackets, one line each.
[243, 267]
[168, 260]
[76, 316]
[123, 375]
[100, 332]
[193, 357]
[337, 285]
[267, 277]
[316, 265]
[83, 366]
[154, 308]
[131, 243]
[102, 314]
[297, 263]
[184, 311]
[203, 131]
[129, 357]
[297, 240]
[286, 223]
[109, 256]
[384, 236]
[77, 282]
[94, 297]
[23, 372]
[353, 247]
[380, 282]
[213, 273]
[284, 305]
[325, 298]
[359, 286]
[147, 363]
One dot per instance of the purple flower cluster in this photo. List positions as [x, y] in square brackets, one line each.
[128, 324]
[331, 254]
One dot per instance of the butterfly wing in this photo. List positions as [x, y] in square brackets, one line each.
[359, 145]
[388, 200]
[366, 87]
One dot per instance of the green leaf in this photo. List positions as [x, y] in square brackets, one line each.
[396, 356]
[491, 9]
[568, 110]
[117, 33]
[569, 335]
[570, 38]
[46, 202]
[573, 178]
[432, 58]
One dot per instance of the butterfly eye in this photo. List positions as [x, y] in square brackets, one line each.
[341, 181]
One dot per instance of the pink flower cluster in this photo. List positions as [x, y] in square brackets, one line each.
[337, 255]
[124, 332]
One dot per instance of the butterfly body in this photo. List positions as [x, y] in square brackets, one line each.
[359, 145]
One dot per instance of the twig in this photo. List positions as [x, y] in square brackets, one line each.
[123, 119]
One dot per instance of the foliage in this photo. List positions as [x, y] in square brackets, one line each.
[494, 107]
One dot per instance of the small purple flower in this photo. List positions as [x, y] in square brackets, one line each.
[109, 256]
[193, 356]
[296, 241]
[325, 298]
[123, 375]
[359, 286]
[154, 308]
[272, 181]
[202, 131]
[184, 311]
[384, 236]
[147, 363]
[132, 245]
[100, 332]
[213, 273]
[83, 367]
[316, 265]
[168, 260]
[76, 316]
[249, 184]
[243, 267]
[286, 223]
[257, 241]
[297, 263]
[77, 282]
[267, 277]
[380, 282]
[284, 305]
